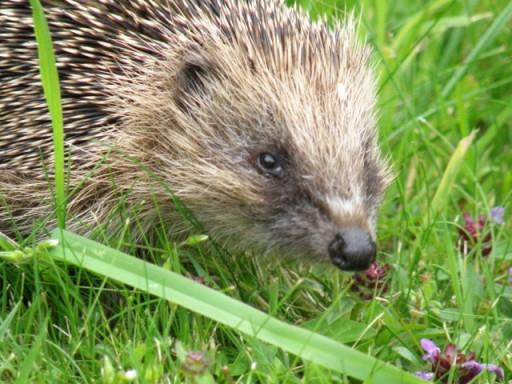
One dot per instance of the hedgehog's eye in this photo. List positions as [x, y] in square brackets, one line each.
[270, 165]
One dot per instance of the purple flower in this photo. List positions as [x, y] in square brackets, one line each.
[473, 368]
[425, 375]
[469, 370]
[498, 371]
[497, 214]
[510, 275]
[465, 367]
[432, 350]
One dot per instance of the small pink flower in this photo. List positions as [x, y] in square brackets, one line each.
[196, 363]
[474, 232]
[375, 278]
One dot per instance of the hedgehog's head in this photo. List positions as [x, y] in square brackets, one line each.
[274, 147]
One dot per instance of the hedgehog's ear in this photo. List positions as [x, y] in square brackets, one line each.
[192, 79]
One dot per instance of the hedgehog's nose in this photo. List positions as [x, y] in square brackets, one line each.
[352, 250]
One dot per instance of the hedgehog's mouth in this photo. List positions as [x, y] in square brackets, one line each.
[352, 250]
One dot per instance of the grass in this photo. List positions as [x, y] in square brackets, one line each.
[445, 121]
[50, 82]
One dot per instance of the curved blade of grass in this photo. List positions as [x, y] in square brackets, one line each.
[490, 34]
[6, 323]
[452, 169]
[168, 285]
[405, 37]
[28, 361]
[50, 80]
[7, 244]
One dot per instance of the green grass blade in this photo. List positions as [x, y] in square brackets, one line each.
[7, 244]
[28, 362]
[6, 323]
[490, 34]
[50, 80]
[405, 37]
[219, 307]
[452, 169]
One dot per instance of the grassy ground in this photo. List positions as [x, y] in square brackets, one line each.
[445, 71]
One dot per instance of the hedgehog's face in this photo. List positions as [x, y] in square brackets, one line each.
[288, 165]
[315, 202]
[303, 217]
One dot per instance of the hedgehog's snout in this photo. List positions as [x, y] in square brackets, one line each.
[352, 250]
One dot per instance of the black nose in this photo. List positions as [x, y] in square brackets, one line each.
[352, 250]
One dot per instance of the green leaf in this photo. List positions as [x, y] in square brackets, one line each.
[342, 330]
[51, 87]
[195, 239]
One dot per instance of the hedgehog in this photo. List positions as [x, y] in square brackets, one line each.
[259, 120]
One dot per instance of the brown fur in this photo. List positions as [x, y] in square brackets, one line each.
[184, 95]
